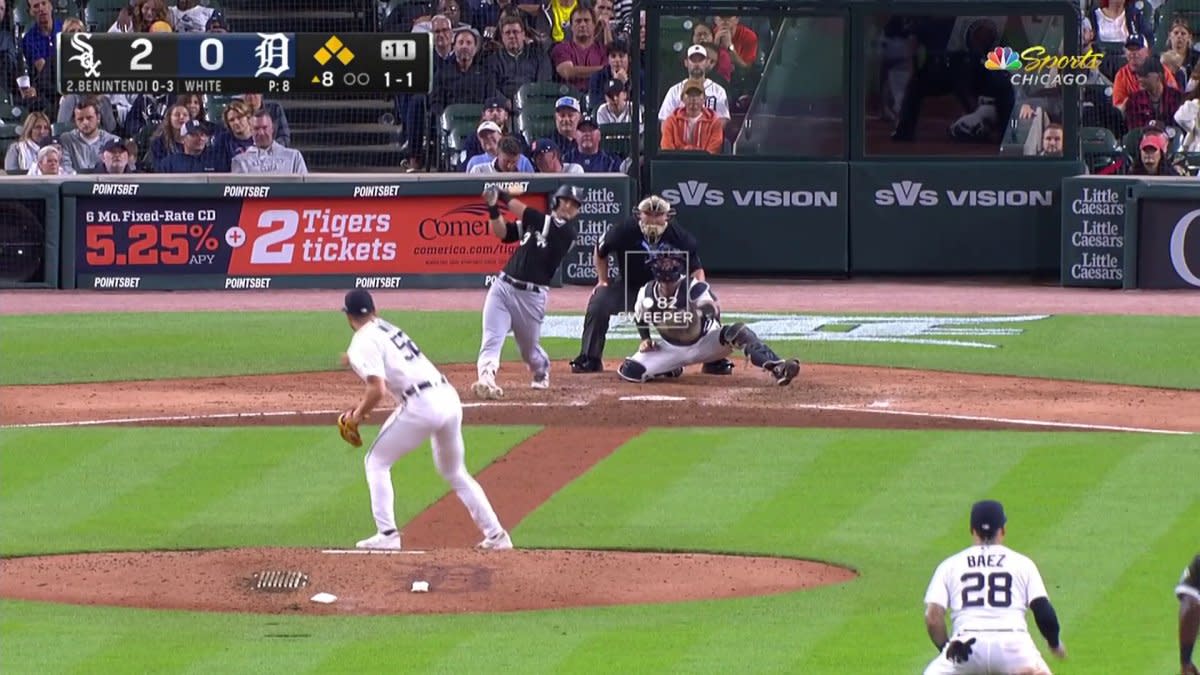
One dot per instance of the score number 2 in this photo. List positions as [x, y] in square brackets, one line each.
[212, 54]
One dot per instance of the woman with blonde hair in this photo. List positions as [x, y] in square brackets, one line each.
[22, 154]
[168, 138]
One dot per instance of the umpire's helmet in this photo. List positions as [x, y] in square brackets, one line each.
[566, 192]
[667, 266]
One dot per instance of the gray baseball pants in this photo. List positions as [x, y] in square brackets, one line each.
[522, 312]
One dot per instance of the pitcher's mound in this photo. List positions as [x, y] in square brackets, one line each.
[282, 581]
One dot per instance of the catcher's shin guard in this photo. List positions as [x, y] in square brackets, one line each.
[740, 336]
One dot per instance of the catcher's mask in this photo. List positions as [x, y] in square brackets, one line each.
[653, 212]
[667, 268]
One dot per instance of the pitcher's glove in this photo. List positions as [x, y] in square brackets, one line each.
[959, 652]
[349, 429]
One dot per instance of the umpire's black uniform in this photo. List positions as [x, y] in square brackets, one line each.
[629, 246]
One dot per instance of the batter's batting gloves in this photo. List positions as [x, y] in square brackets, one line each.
[959, 652]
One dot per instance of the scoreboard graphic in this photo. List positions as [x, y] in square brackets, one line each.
[236, 63]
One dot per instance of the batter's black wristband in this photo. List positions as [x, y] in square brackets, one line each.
[493, 212]
[1185, 653]
[643, 332]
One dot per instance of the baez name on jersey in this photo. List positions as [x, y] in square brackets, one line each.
[986, 560]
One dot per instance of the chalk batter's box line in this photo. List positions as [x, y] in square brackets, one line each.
[643, 258]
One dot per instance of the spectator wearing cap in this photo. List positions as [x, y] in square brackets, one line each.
[519, 60]
[49, 161]
[617, 108]
[1137, 53]
[114, 158]
[616, 69]
[189, 16]
[577, 59]
[237, 136]
[547, 159]
[489, 135]
[216, 23]
[81, 146]
[1114, 21]
[1152, 156]
[1153, 101]
[567, 113]
[697, 63]
[495, 109]
[739, 41]
[267, 156]
[283, 131]
[197, 156]
[463, 80]
[693, 126]
[508, 159]
[587, 152]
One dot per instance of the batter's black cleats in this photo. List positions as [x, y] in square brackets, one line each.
[784, 371]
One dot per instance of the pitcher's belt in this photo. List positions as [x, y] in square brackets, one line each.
[418, 388]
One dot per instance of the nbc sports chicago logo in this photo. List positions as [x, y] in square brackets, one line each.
[1036, 66]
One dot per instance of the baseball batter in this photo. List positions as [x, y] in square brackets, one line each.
[688, 319]
[517, 300]
[987, 588]
[1188, 592]
[388, 360]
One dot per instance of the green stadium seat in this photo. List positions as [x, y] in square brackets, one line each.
[100, 14]
[536, 121]
[541, 92]
[57, 129]
[214, 108]
[9, 132]
[461, 117]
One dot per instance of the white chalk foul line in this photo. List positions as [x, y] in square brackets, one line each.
[984, 418]
[351, 551]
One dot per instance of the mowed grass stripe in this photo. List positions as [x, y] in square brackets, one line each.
[485, 650]
[1138, 505]
[924, 501]
[661, 647]
[44, 638]
[423, 642]
[48, 513]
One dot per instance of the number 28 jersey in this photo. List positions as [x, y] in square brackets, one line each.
[382, 350]
[986, 587]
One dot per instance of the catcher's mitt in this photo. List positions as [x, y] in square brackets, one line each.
[349, 430]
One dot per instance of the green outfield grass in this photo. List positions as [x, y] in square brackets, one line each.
[1106, 516]
[40, 349]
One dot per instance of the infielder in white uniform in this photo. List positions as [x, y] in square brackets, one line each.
[688, 319]
[428, 407]
[987, 588]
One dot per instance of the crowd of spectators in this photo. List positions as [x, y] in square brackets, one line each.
[118, 133]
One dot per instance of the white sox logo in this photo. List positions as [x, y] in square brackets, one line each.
[1178, 256]
[86, 56]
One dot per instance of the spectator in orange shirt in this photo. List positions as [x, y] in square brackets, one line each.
[1137, 51]
[693, 126]
[738, 40]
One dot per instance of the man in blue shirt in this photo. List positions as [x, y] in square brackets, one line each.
[587, 152]
[196, 157]
[38, 45]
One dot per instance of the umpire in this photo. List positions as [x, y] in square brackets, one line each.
[633, 243]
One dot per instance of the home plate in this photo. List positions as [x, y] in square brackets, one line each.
[652, 397]
[356, 551]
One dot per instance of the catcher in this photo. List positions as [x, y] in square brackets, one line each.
[688, 320]
[631, 243]
[429, 407]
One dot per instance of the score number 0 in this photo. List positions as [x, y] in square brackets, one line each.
[212, 54]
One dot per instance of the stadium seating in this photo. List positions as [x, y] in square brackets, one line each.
[1099, 147]
[615, 138]
[540, 93]
[536, 121]
[458, 123]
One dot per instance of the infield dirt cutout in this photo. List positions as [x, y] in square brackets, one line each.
[585, 418]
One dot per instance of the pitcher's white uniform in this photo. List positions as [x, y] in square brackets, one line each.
[429, 407]
[987, 589]
[683, 343]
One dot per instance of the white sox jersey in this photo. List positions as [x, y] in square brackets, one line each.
[382, 350]
[677, 316]
[986, 587]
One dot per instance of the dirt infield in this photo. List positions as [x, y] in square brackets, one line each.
[584, 419]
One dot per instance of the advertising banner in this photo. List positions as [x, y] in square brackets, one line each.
[757, 216]
[604, 205]
[1168, 246]
[1093, 231]
[404, 241]
[990, 216]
